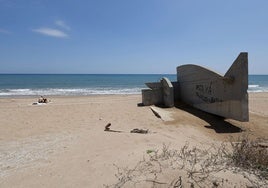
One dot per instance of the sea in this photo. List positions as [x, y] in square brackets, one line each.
[92, 84]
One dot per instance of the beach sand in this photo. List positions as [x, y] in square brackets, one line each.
[63, 143]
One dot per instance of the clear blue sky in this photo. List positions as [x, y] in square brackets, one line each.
[131, 36]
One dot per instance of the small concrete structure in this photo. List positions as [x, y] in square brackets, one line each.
[160, 93]
[223, 95]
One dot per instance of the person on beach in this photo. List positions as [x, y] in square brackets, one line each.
[42, 100]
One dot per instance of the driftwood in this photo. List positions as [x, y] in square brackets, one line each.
[141, 131]
[107, 128]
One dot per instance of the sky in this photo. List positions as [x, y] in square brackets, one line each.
[131, 36]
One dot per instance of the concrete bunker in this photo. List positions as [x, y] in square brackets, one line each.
[222, 95]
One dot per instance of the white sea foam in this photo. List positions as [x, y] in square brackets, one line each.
[90, 91]
[257, 89]
[69, 91]
[253, 86]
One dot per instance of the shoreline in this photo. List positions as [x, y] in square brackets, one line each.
[64, 96]
[92, 95]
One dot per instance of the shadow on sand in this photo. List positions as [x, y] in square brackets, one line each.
[214, 122]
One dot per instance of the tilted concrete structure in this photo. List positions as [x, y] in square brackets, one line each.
[223, 95]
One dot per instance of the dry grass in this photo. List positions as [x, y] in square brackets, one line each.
[251, 155]
[194, 167]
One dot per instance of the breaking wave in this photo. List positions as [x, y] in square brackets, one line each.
[91, 91]
[257, 88]
[68, 91]
[253, 86]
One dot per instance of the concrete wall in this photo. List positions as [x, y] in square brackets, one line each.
[206, 90]
[160, 93]
[152, 97]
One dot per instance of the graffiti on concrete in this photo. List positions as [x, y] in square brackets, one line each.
[204, 92]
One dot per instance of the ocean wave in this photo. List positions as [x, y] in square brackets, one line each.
[257, 89]
[253, 86]
[69, 91]
[91, 91]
